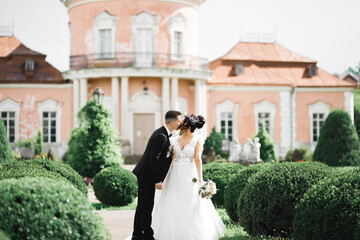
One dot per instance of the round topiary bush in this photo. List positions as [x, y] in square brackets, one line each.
[115, 186]
[266, 205]
[42, 168]
[330, 209]
[236, 186]
[338, 143]
[44, 208]
[221, 173]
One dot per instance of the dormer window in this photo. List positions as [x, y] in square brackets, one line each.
[239, 69]
[313, 71]
[29, 65]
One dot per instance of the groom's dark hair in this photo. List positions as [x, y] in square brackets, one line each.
[171, 116]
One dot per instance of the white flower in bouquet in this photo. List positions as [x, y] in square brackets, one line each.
[207, 188]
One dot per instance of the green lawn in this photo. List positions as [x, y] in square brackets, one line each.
[103, 206]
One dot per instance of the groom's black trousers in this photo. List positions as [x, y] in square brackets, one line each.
[142, 221]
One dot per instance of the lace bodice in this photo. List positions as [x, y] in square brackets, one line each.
[185, 155]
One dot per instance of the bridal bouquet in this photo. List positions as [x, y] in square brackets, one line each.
[207, 188]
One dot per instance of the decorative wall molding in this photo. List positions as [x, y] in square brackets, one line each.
[228, 106]
[265, 106]
[9, 105]
[51, 105]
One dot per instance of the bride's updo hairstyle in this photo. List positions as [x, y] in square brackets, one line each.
[193, 122]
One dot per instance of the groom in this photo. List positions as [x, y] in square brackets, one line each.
[151, 171]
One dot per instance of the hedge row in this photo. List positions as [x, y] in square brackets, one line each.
[42, 168]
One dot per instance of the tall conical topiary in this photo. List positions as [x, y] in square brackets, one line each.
[338, 143]
[39, 144]
[267, 149]
[93, 145]
[5, 149]
[214, 140]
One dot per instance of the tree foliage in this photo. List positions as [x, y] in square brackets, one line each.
[267, 149]
[338, 143]
[39, 144]
[215, 140]
[93, 146]
[5, 149]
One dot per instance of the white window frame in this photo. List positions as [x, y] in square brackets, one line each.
[318, 107]
[144, 20]
[104, 21]
[50, 105]
[29, 65]
[239, 69]
[268, 118]
[265, 107]
[177, 24]
[9, 105]
[228, 106]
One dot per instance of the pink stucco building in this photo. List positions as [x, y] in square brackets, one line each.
[144, 55]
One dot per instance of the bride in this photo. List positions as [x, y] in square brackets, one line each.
[179, 212]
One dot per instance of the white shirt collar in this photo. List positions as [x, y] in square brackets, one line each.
[167, 130]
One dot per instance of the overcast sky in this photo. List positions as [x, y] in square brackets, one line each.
[324, 30]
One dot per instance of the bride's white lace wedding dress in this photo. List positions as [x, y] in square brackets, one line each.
[179, 212]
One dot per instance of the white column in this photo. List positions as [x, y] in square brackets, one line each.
[201, 100]
[349, 104]
[83, 92]
[124, 107]
[75, 101]
[115, 100]
[175, 93]
[165, 95]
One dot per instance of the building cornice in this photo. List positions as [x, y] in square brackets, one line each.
[276, 89]
[73, 3]
[138, 72]
[29, 85]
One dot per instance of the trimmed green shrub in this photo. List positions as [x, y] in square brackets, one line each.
[298, 154]
[338, 143]
[115, 186]
[5, 149]
[93, 146]
[236, 186]
[44, 208]
[42, 168]
[221, 173]
[39, 145]
[215, 140]
[269, 198]
[330, 209]
[357, 120]
[267, 149]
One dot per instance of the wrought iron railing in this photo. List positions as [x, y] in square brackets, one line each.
[138, 59]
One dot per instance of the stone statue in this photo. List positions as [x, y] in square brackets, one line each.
[249, 153]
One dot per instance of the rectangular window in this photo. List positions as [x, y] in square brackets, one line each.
[226, 120]
[178, 44]
[317, 122]
[105, 43]
[264, 121]
[9, 122]
[49, 127]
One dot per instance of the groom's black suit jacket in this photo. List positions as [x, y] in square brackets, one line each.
[154, 165]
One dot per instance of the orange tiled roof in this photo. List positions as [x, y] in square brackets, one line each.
[8, 44]
[269, 64]
[272, 52]
[14, 47]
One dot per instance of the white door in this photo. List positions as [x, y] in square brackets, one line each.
[144, 47]
[143, 128]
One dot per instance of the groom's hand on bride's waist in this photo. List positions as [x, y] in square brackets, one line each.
[158, 185]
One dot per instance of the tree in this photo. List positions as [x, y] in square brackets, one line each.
[267, 149]
[5, 149]
[39, 144]
[338, 143]
[93, 146]
[215, 140]
[357, 120]
[355, 70]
